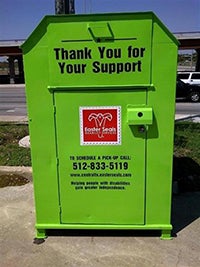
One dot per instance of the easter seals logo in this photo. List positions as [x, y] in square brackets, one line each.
[100, 125]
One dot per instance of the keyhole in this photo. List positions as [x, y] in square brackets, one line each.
[142, 129]
[140, 114]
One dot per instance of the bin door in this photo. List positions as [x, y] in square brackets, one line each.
[101, 157]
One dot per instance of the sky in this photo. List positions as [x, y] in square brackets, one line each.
[18, 18]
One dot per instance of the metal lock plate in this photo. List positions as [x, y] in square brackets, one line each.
[142, 115]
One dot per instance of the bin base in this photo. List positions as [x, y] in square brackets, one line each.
[40, 233]
[166, 235]
[165, 229]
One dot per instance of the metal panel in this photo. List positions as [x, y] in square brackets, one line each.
[102, 181]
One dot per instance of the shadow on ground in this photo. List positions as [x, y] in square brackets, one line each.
[186, 172]
[185, 210]
[186, 201]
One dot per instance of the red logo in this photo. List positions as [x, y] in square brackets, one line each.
[100, 125]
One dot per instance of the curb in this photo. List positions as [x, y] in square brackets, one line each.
[21, 170]
[14, 119]
[14, 85]
[183, 117]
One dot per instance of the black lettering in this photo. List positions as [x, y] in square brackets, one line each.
[64, 54]
[72, 68]
[111, 68]
[88, 53]
[69, 68]
[61, 53]
[72, 54]
[79, 68]
[127, 67]
[139, 65]
[80, 54]
[61, 65]
[57, 52]
[83, 66]
[119, 67]
[104, 68]
[117, 53]
[109, 53]
[136, 52]
[96, 68]
[130, 51]
[101, 51]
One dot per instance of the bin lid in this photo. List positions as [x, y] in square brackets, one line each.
[104, 49]
[41, 29]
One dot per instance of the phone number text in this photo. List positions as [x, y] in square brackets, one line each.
[100, 165]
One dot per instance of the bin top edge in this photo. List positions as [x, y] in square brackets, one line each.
[42, 26]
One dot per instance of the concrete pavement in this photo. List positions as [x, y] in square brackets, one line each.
[187, 117]
[12, 85]
[92, 249]
[14, 119]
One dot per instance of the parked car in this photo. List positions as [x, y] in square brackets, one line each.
[188, 91]
[190, 77]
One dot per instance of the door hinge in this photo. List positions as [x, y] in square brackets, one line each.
[57, 161]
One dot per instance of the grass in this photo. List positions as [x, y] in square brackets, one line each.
[12, 179]
[10, 152]
[186, 165]
[187, 140]
[186, 146]
[186, 143]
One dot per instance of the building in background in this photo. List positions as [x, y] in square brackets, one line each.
[11, 63]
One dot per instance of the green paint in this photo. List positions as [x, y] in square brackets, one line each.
[101, 102]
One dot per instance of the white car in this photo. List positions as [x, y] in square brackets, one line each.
[190, 77]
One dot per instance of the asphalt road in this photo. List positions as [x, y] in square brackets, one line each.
[13, 102]
[188, 108]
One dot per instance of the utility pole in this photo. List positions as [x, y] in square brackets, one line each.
[64, 7]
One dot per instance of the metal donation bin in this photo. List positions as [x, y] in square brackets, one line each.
[101, 102]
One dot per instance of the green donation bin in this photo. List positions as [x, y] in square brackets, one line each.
[101, 102]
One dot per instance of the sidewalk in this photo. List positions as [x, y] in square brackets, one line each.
[95, 249]
[191, 117]
[15, 85]
[14, 119]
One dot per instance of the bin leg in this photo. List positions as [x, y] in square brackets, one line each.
[40, 233]
[166, 235]
[40, 236]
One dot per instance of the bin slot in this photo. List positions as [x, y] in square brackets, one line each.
[100, 31]
[139, 115]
